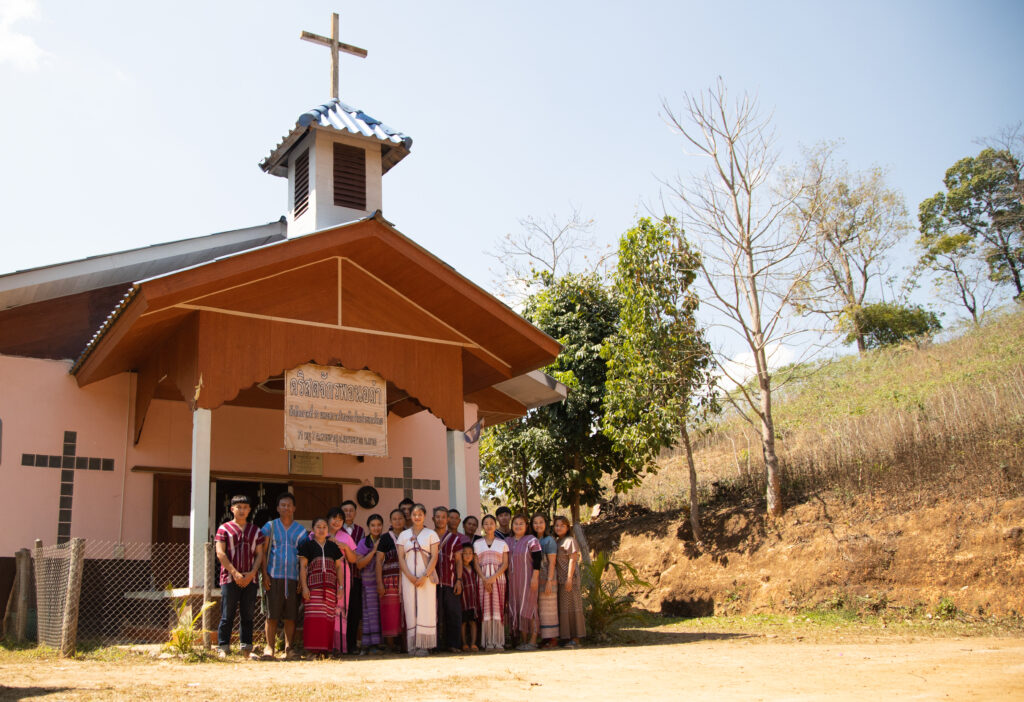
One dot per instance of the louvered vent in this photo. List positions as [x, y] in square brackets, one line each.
[349, 177]
[301, 183]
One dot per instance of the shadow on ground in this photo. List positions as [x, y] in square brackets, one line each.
[647, 637]
[24, 693]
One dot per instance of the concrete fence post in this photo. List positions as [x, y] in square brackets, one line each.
[69, 625]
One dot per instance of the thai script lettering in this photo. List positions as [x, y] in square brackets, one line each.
[326, 390]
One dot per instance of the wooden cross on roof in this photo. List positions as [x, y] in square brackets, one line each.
[335, 46]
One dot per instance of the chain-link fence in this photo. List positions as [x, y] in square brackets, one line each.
[129, 593]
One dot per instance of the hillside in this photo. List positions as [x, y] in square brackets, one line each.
[903, 482]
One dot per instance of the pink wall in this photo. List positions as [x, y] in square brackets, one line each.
[39, 401]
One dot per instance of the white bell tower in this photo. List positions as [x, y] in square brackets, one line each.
[336, 156]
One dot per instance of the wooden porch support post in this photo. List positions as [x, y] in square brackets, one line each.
[457, 471]
[199, 514]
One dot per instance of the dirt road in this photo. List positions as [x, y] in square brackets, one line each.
[679, 666]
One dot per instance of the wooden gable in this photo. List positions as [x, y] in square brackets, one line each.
[359, 296]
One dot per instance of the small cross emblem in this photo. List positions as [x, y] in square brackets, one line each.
[407, 483]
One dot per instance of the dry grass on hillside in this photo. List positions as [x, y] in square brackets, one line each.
[896, 421]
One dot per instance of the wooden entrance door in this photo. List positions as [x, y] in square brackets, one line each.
[172, 501]
[315, 499]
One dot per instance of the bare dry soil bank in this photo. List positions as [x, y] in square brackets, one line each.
[869, 554]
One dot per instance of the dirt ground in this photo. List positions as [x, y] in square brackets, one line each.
[677, 664]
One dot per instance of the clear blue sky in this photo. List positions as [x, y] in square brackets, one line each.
[131, 123]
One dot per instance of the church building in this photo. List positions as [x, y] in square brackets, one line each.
[139, 390]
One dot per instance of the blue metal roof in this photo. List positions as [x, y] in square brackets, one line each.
[334, 114]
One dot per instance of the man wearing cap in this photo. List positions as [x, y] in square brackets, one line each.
[238, 550]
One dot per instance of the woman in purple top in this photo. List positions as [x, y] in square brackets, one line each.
[369, 565]
[524, 563]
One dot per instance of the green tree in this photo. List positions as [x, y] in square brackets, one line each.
[557, 453]
[513, 458]
[659, 363]
[569, 452]
[982, 204]
[888, 324]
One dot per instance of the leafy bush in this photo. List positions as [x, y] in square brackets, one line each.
[946, 609]
[185, 636]
[888, 324]
[603, 604]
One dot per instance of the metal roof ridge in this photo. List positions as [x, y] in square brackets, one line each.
[250, 250]
[110, 254]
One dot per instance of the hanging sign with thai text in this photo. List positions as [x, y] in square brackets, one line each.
[328, 409]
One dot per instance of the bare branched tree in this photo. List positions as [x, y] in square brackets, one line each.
[855, 220]
[542, 248]
[960, 277]
[753, 263]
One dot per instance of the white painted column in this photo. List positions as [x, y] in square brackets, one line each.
[199, 514]
[457, 471]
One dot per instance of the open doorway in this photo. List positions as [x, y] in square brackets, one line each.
[262, 495]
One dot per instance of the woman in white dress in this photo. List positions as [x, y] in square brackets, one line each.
[417, 558]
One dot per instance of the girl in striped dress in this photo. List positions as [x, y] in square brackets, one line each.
[547, 601]
[470, 598]
[491, 564]
[571, 624]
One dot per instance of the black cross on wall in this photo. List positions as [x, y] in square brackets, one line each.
[68, 463]
[407, 482]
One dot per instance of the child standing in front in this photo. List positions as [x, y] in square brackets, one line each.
[470, 599]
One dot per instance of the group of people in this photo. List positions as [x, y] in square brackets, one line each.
[408, 587]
